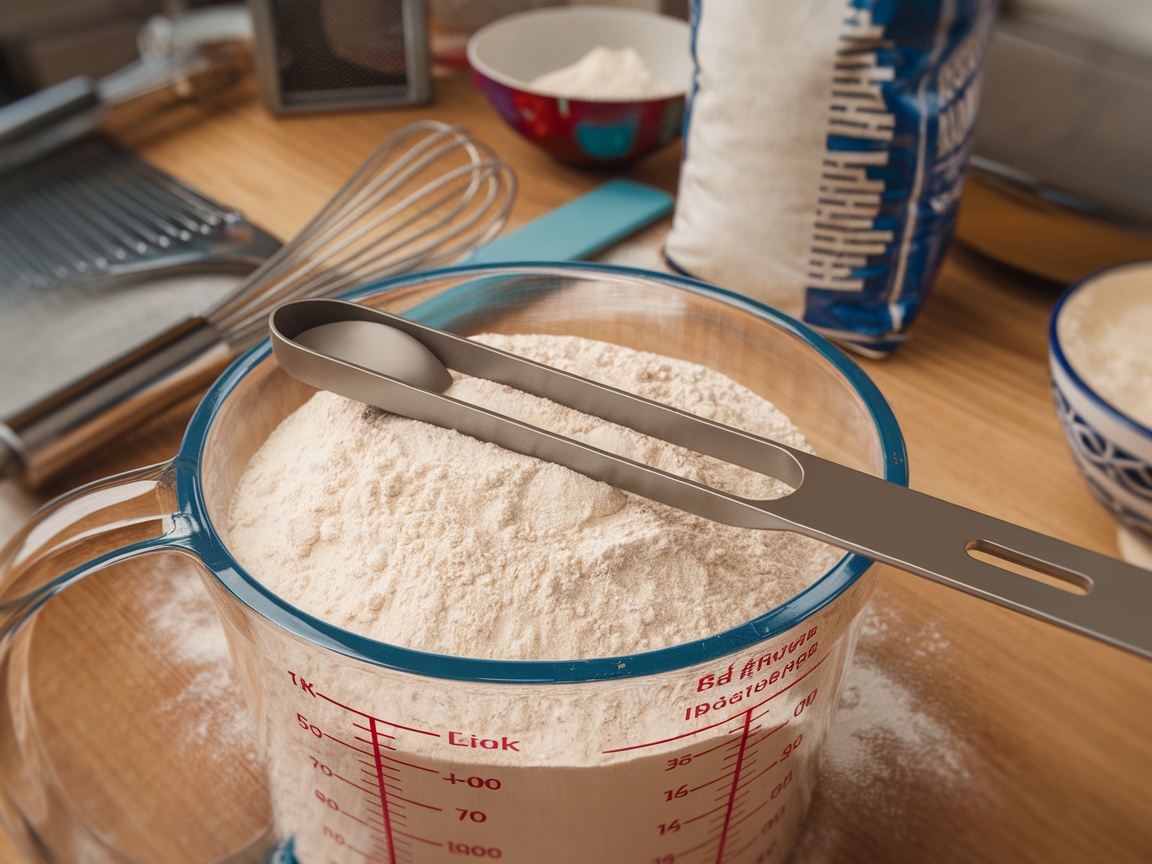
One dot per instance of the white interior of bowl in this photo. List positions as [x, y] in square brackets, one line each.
[1104, 330]
[518, 49]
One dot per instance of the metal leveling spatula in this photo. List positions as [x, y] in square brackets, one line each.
[401, 367]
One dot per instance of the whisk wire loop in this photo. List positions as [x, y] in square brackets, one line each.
[427, 195]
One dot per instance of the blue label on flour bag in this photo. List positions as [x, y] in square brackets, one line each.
[825, 146]
[905, 95]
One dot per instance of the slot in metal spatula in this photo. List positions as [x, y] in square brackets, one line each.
[401, 367]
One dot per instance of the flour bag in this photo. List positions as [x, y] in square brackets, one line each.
[825, 146]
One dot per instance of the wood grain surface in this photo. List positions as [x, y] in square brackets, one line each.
[969, 734]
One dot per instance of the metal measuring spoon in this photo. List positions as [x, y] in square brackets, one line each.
[401, 367]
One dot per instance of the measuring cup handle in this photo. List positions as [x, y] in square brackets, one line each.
[75, 536]
[82, 532]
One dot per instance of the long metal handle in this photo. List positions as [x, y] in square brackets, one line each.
[1103, 597]
[831, 502]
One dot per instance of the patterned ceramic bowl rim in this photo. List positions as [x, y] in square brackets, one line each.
[1057, 351]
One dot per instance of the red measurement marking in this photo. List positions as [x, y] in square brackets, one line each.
[705, 813]
[371, 774]
[711, 749]
[410, 764]
[735, 780]
[421, 839]
[761, 739]
[710, 782]
[752, 761]
[346, 744]
[419, 804]
[383, 794]
[740, 796]
[758, 775]
[374, 721]
[746, 847]
[764, 713]
[381, 734]
[673, 738]
[748, 815]
[726, 719]
[356, 785]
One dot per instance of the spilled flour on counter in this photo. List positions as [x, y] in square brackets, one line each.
[180, 617]
[888, 747]
[882, 728]
[422, 537]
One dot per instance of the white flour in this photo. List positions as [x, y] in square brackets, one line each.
[883, 728]
[419, 536]
[422, 537]
[1104, 330]
[891, 749]
[605, 73]
[183, 623]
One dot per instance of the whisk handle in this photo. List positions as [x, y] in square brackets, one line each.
[38, 124]
[51, 435]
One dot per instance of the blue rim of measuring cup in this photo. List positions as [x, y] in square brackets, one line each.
[206, 543]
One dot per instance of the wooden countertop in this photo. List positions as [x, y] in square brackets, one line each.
[968, 733]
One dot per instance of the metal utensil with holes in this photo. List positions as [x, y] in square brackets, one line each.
[428, 195]
[397, 365]
[96, 211]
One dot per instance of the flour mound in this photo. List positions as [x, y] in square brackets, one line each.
[422, 537]
[605, 73]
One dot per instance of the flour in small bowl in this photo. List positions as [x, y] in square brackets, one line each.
[423, 537]
[605, 73]
[1104, 330]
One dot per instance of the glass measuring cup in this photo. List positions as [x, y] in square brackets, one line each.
[701, 752]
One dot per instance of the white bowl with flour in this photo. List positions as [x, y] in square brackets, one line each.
[1101, 369]
[590, 85]
[591, 53]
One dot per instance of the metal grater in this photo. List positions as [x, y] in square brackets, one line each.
[98, 251]
[95, 209]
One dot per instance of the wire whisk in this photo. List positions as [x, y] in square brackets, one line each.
[425, 197]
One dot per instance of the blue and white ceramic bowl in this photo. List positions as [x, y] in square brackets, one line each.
[1107, 426]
